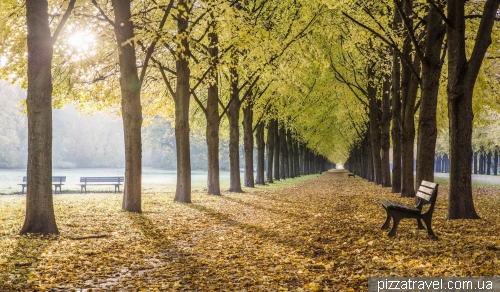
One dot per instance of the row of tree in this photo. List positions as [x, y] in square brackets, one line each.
[412, 42]
[145, 54]
[267, 68]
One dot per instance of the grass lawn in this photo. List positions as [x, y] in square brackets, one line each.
[314, 233]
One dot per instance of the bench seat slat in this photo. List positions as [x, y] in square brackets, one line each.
[117, 179]
[399, 206]
[424, 196]
[426, 190]
[429, 184]
[54, 179]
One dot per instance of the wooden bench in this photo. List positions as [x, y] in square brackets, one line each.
[351, 174]
[57, 182]
[103, 180]
[427, 194]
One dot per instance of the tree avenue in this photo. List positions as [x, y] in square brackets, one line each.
[317, 82]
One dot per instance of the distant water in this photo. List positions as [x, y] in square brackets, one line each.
[152, 179]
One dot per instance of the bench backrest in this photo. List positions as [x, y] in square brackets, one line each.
[427, 191]
[102, 179]
[58, 179]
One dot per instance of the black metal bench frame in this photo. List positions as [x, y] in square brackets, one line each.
[57, 182]
[351, 174]
[427, 194]
[102, 181]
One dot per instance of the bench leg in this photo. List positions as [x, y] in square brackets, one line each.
[387, 221]
[419, 222]
[396, 217]
[429, 228]
[22, 190]
[394, 227]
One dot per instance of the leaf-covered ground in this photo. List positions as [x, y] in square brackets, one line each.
[319, 235]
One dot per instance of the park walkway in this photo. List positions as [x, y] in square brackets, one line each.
[319, 235]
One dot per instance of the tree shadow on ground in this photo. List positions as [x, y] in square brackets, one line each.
[292, 240]
[15, 267]
[281, 212]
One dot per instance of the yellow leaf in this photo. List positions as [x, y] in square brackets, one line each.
[313, 287]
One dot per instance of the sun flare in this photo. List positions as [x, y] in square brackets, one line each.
[82, 41]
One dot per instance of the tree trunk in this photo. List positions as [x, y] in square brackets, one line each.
[233, 114]
[488, 163]
[284, 153]
[291, 154]
[270, 150]
[299, 157]
[308, 160]
[40, 216]
[304, 159]
[213, 117]
[475, 162]
[375, 134]
[446, 163]
[296, 163]
[396, 124]
[410, 88]
[130, 87]
[259, 137]
[369, 158]
[431, 72]
[277, 145]
[481, 162]
[495, 162]
[385, 129]
[182, 95]
[248, 143]
[462, 74]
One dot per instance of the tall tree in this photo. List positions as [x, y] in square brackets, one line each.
[432, 63]
[270, 150]
[130, 90]
[385, 129]
[462, 75]
[396, 115]
[396, 111]
[375, 119]
[212, 110]
[181, 98]
[233, 114]
[248, 141]
[277, 151]
[40, 217]
[130, 87]
[259, 137]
